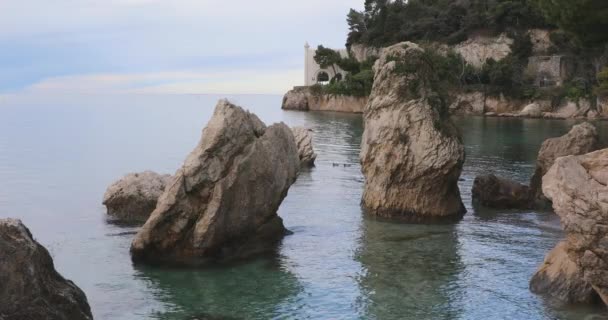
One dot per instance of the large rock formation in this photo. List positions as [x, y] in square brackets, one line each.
[581, 139]
[134, 196]
[479, 49]
[31, 287]
[578, 188]
[494, 192]
[222, 204]
[306, 152]
[296, 99]
[411, 152]
[560, 278]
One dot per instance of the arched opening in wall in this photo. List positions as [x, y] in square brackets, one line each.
[322, 77]
[338, 77]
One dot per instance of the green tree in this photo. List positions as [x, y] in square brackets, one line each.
[327, 57]
[587, 19]
[602, 79]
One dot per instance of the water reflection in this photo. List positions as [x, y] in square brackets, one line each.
[252, 290]
[409, 271]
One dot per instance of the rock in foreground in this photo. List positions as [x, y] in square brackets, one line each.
[500, 193]
[411, 152]
[581, 139]
[31, 287]
[134, 196]
[304, 143]
[578, 188]
[222, 204]
[560, 278]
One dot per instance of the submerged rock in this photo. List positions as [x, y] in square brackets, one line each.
[411, 152]
[306, 152]
[559, 277]
[134, 196]
[222, 204]
[31, 287]
[582, 138]
[578, 188]
[500, 193]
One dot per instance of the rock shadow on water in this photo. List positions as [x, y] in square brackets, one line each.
[410, 271]
[255, 289]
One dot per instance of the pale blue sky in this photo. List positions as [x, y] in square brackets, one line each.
[162, 46]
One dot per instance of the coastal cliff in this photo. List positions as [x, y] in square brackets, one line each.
[303, 99]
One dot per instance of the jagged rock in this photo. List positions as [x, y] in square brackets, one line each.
[306, 152]
[560, 278]
[500, 193]
[582, 138]
[578, 188]
[31, 287]
[296, 99]
[469, 103]
[411, 152]
[222, 204]
[134, 196]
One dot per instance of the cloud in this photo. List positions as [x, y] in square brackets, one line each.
[130, 44]
[176, 82]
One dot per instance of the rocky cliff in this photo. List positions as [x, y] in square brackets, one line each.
[302, 99]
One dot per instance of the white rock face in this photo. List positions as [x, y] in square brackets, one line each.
[134, 196]
[532, 110]
[578, 187]
[581, 139]
[411, 153]
[222, 204]
[477, 50]
[301, 99]
[296, 99]
[306, 152]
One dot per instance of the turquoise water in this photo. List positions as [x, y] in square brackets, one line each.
[58, 154]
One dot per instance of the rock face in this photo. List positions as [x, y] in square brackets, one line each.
[532, 110]
[560, 278]
[361, 52]
[578, 188]
[478, 49]
[222, 204]
[306, 152]
[134, 196]
[581, 139]
[411, 154]
[302, 99]
[31, 287]
[494, 192]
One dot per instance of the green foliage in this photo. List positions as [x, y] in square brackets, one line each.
[602, 79]
[327, 57]
[586, 19]
[383, 22]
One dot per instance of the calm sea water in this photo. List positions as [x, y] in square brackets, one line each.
[58, 154]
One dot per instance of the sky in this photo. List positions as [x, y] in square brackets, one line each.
[163, 46]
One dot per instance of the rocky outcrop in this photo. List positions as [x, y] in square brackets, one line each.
[302, 99]
[411, 152]
[31, 287]
[222, 204]
[478, 49]
[306, 152]
[582, 138]
[578, 188]
[541, 41]
[134, 196]
[561, 278]
[500, 193]
[296, 99]
[532, 110]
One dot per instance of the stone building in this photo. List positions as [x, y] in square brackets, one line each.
[549, 71]
[313, 73]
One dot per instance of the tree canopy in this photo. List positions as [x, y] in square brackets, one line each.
[587, 19]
